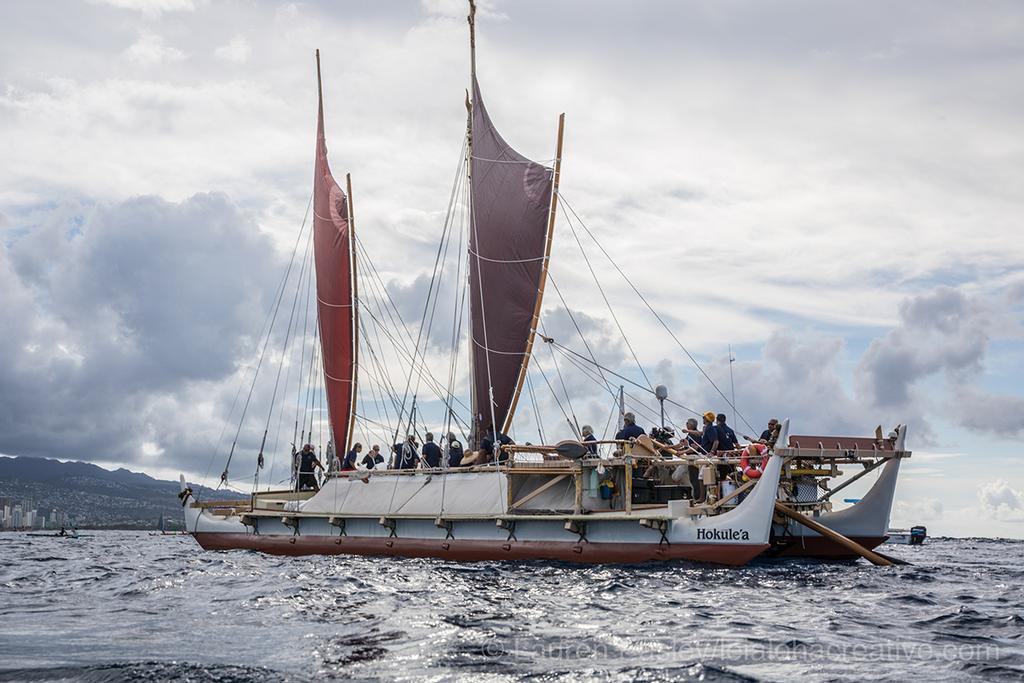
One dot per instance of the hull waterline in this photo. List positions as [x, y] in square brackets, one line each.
[477, 551]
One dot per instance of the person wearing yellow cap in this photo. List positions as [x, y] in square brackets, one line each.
[709, 438]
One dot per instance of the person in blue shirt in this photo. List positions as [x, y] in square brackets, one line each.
[588, 439]
[726, 436]
[709, 437]
[629, 428]
[349, 463]
[431, 452]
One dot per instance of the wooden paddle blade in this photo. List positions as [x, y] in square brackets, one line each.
[646, 443]
[573, 450]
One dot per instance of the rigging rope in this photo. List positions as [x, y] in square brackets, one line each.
[266, 343]
[656, 314]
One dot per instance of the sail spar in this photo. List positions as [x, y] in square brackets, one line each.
[508, 250]
[332, 249]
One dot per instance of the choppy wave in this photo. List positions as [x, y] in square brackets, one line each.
[130, 606]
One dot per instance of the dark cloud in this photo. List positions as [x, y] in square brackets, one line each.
[980, 411]
[797, 377]
[120, 315]
[940, 331]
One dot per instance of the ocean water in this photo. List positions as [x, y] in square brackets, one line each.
[134, 606]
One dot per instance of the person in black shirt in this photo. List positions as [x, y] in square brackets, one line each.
[629, 430]
[487, 445]
[407, 455]
[455, 451]
[373, 458]
[768, 436]
[431, 452]
[307, 473]
[588, 438]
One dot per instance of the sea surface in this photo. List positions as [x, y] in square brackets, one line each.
[135, 606]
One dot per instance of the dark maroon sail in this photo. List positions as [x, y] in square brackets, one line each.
[332, 251]
[511, 201]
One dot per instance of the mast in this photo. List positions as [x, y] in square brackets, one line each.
[548, 238]
[355, 314]
[474, 436]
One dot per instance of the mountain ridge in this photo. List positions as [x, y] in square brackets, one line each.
[94, 496]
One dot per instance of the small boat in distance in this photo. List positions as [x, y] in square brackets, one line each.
[915, 535]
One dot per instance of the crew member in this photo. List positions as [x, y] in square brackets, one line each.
[726, 436]
[455, 451]
[629, 430]
[373, 458]
[431, 452]
[488, 442]
[351, 458]
[709, 437]
[588, 439]
[407, 455]
[307, 472]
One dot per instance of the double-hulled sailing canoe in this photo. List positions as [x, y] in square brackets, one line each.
[523, 506]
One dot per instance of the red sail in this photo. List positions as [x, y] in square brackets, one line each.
[511, 198]
[333, 254]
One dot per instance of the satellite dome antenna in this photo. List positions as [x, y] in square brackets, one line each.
[661, 393]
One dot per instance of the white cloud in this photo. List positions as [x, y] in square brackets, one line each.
[907, 513]
[237, 51]
[1001, 502]
[150, 50]
[151, 7]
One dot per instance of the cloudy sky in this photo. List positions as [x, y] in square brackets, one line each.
[834, 190]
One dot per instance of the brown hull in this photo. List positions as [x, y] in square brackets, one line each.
[467, 550]
[820, 547]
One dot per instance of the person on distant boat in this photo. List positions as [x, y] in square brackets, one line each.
[351, 458]
[308, 462]
[374, 458]
[727, 440]
[588, 439]
[455, 451]
[629, 430]
[431, 452]
[63, 532]
[487, 445]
